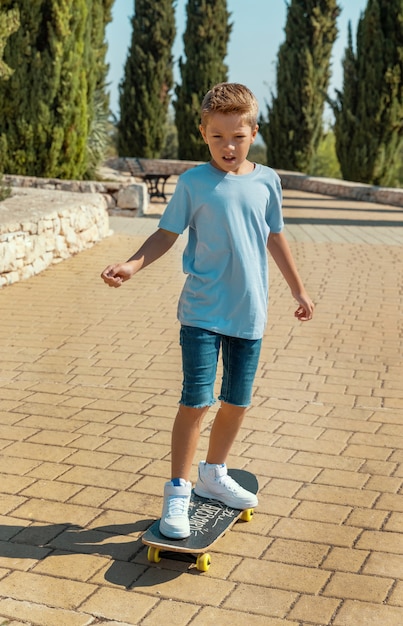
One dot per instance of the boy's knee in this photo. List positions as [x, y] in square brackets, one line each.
[233, 409]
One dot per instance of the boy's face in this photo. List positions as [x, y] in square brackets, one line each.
[229, 138]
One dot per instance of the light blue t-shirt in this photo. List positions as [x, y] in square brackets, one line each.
[229, 219]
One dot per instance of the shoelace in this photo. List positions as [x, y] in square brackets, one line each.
[230, 484]
[177, 506]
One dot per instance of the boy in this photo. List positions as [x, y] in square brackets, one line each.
[232, 208]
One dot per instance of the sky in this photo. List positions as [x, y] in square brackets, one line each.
[257, 33]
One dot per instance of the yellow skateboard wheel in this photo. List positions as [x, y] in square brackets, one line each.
[203, 562]
[153, 555]
[247, 515]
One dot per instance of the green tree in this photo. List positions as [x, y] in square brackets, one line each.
[369, 110]
[99, 125]
[48, 104]
[101, 15]
[343, 108]
[205, 45]
[170, 149]
[9, 23]
[399, 170]
[44, 104]
[294, 127]
[148, 79]
[324, 162]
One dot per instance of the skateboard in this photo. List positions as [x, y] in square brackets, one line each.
[209, 520]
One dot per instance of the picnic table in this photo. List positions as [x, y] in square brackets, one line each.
[156, 172]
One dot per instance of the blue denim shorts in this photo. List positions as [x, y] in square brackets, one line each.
[200, 352]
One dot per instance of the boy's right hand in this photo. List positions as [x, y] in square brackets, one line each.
[115, 275]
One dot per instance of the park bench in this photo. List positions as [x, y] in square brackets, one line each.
[156, 172]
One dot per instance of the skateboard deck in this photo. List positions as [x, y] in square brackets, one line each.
[209, 520]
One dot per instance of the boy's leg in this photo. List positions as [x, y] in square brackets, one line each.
[185, 437]
[199, 360]
[213, 480]
[240, 360]
[224, 431]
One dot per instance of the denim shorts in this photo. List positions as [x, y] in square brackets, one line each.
[200, 352]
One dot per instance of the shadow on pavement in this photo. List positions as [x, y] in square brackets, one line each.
[42, 542]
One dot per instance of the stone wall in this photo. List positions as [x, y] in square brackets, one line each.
[125, 192]
[342, 188]
[42, 227]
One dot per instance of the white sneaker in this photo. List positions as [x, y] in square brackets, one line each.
[215, 483]
[174, 521]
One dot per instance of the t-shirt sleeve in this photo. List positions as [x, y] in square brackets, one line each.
[274, 213]
[176, 216]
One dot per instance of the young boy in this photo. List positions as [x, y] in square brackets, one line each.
[232, 208]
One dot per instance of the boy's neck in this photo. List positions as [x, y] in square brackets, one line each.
[246, 168]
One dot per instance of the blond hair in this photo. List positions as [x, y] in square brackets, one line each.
[230, 98]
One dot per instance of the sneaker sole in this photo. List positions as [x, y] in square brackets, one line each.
[170, 534]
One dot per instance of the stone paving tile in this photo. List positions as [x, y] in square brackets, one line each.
[198, 589]
[316, 609]
[89, 382]
[171, 612]
[47, 590]
[355, 612]
[210, 615]
[358, 587]
[345, 559]
[110, 603]
[40, 614]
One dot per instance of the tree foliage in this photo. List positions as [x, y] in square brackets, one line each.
[98, 126]
[294, 127]
[9, 23]
[205, 45]
[325, 162]
[47, 104]
[101, 15]
[148, 79]
[369, 110]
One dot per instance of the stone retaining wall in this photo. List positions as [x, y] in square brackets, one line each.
[123, 193]
[42, 227]
[342, 188]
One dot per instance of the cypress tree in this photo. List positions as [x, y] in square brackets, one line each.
[294, 127]
[369, 110]
[101, 15]
[98, 98]
[343, 110]
[9, 23]
[148, 79]
[44, 105]
[205, 45]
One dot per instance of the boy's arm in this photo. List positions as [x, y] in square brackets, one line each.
[152, 249]
[279, 249]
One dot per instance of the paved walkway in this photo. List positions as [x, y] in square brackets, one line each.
[89, 381]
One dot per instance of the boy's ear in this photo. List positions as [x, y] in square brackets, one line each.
[203, 133]
[255, 132]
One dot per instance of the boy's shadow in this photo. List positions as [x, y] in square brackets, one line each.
[41, 542]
